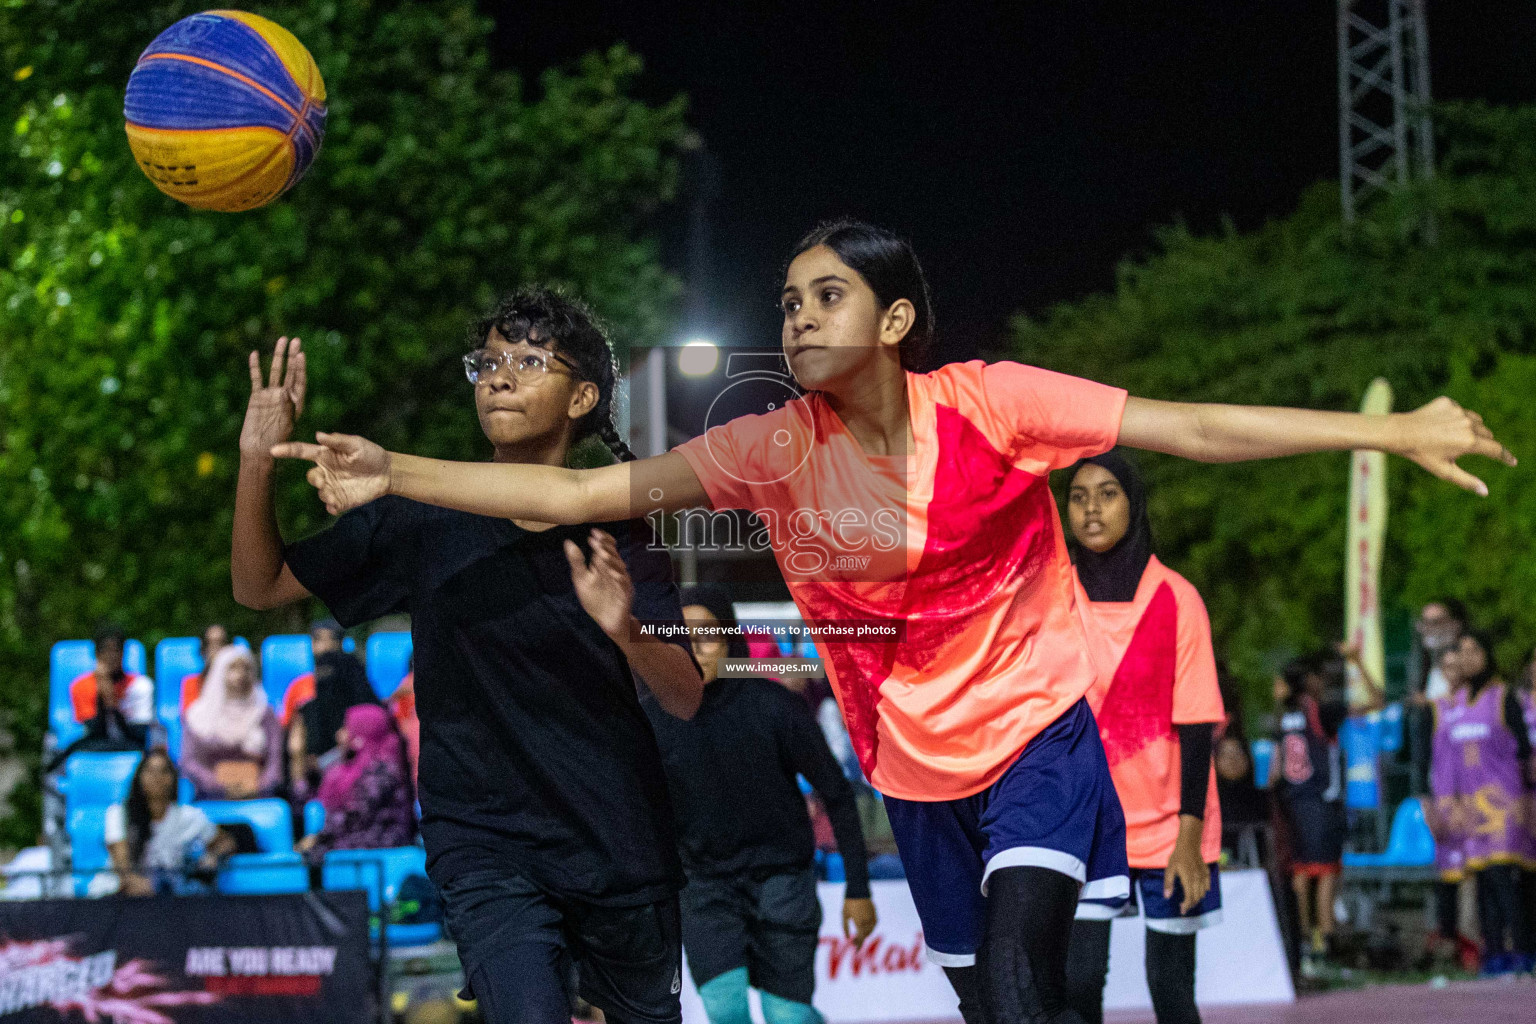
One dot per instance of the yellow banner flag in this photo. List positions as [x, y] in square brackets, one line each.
[1362, 560]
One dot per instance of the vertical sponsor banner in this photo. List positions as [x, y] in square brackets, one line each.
[188, 960]
[1362, 560]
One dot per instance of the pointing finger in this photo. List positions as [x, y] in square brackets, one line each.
[297, 450]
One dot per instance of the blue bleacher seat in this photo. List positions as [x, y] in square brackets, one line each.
[176, 657]
[380, 874]
[87, 838]
[833, 865]
[92, 779]
[1263, 756]
[263, 874]
[1409, 845]
[388, 658]
[283, 657]
[1390, 728]
[314, 817]
[270, 819]
[69, 660]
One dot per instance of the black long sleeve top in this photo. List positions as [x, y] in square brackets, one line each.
[731, 771]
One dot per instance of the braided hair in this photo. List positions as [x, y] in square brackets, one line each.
[551, 319]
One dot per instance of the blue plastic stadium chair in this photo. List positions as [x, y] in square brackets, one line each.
[175, 658]
[1358, 741]
[270, 819]
[284, 657]
[69, 660]
[835, 870]
[1390, 728]
[263, 874]
[99, 779]
[380, 874]
[805, 784]
[87, 838]
[184, 791]
[388, 658]
[314, 817]
[1409, 845]
[1263, 755]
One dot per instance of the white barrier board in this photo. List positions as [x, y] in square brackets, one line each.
[1241, 960]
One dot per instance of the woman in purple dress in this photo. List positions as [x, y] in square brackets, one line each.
[1480, 775]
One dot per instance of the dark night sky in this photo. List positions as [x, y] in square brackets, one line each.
[1024, 147]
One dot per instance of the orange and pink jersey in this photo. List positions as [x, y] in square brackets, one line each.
[959, 545]
[1164, 674]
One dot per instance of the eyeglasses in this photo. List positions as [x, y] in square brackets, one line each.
[527, 366]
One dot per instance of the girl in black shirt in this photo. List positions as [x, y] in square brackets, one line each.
[544, 805]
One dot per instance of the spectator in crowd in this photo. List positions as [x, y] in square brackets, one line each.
[340, 685]
[750, 912]
[1437, 628]
[325, 636]
[232, 745]
[215, 639]
[132, 695]
[1309, 771]
[1442, 813]
[366, 792]
[159, 846]
[1482, 763]
[402, 707]
[1439, 625]
[1244, 807]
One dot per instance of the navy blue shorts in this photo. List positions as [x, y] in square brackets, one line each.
[1055, 807]
[1162, 913]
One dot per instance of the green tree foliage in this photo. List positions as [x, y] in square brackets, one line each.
[125, 318]
[1300, 312]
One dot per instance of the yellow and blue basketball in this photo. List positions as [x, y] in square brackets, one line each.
[225, 110]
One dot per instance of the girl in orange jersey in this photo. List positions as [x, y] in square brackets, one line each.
[919, 502]
[1157, 704]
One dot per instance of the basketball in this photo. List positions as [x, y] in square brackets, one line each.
[225, 110]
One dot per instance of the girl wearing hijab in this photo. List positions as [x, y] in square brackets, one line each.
[367, 793]
[232, 747]
[1480, 775]
[1156, 715]
[340, 685]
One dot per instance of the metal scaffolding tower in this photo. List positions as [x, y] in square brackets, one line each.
[1385, 139]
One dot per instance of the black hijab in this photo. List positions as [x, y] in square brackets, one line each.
[717, 599]
[340, 683]
[1115, 574]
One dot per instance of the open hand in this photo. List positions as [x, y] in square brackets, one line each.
[275, 405]
[603, 585]
[348, 470]
[1437, 434]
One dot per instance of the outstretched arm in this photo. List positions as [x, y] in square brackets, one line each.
[1434, 435]
[260, 576]
[350, 471]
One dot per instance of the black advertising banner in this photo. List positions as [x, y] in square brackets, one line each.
[187, 960]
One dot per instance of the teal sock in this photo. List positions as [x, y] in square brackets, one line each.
[787, 1011]
[725, 998]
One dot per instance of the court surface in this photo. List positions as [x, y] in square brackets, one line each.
[1495, 1001]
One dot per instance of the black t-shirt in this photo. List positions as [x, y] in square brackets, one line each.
[732, 770]
[535, 754]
